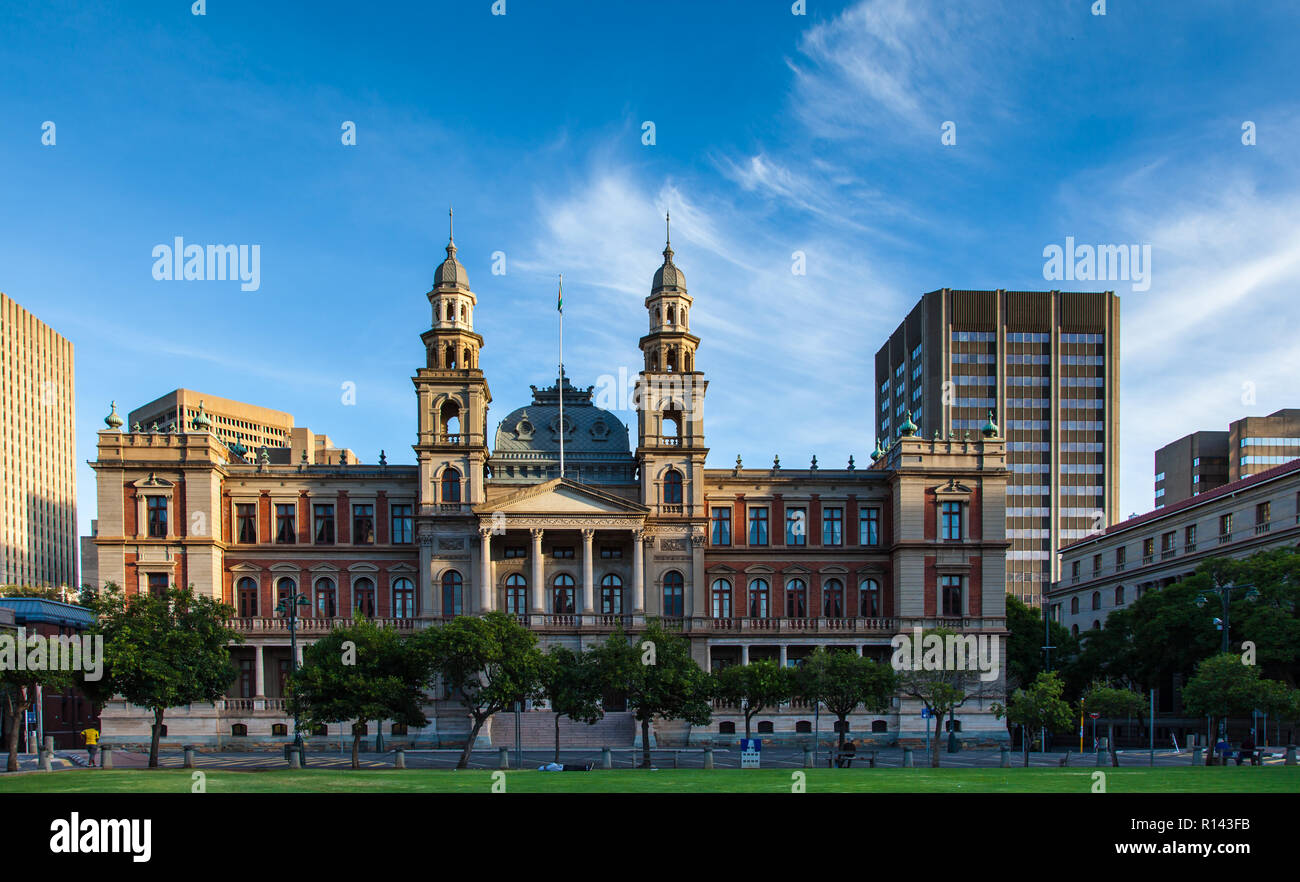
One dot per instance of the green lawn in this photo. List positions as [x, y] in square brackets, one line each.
[1161, 780]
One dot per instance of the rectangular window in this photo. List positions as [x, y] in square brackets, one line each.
[1225, 527]
[246, 522]
[1262, 516]
[1074, 571]
[562, 552]
[1189, 538]
[363, 524]
[324, 517]
[1148, 550]
[952, 521]
[157, 506]
[951, 588]
[869, 526]
[403, 524]
[515, 551]
[1121, 555]
[1168, 543]
[796, 526]
[1096, 564]
[158, 584]
[832, 526]
[285, 513]
[758, 526]
[610, 552]
[722, 526]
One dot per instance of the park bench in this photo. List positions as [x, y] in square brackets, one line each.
[847, 757]
[1065, 760]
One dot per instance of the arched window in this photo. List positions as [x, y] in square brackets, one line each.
[759, 598]
[869, 598]
[462, 312]
[453, 594]
[1096, 624]
[727, 728]
[450, 485]
[1074, 630]
[451, 354]
[285, 590]
[672, 425]
[239, 730]
[879, 726]
[803, 727]
[671, 364]
[450, 311]
[833, 599]
[363, 597]
[1074, 604]
[247, 598]
[1119, 595]
[325, 599]
[404, 598]
[671, 313]
[673, 487]
[796, 599]
[1096, 600]
[562, 595]
[516, 595]
[611, 595]
[674, 588]
[721, 599]
[279, 730]
[465, 364]
[765, 727]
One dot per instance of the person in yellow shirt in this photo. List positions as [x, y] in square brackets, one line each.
[91, 734]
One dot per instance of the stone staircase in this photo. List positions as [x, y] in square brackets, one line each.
[537, 730]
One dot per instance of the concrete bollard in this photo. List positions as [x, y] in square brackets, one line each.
[708, 757]
[676, 758]
[49, 744]
[46, 763]
[503, 759]
[807, 757]
[106, 758]
[1196, 755]
[908, 761]
[1290, 755]
[606, 758]
[399, 759]
[1006, 758]
[295, 758]
[189, 757]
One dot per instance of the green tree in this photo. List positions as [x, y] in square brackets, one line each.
[753, 687]
[843, 680]
[1221, 687]
[1278, 702]
[1037, 706]
[659, 677]
[162, 652]
[487, 663]
[1025, 656]
[573, 683]
[1112, 704]
[360, 672]
[20, 687]
[941, 690]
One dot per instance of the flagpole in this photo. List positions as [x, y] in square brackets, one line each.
[560, 304]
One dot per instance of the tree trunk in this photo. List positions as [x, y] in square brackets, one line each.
[157, 735]
[934, 745]
[356, 747]
[463, 763]
[17, 718]
[1110, 743]
[645, 743]
[749, 715]
[1024, 743]
[557, 737]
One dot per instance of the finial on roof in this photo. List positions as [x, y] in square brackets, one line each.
[852, 467]
[990, 428]
[813, 467]
[383, 458]
[201, 421]
[113, 421]
[451, 224]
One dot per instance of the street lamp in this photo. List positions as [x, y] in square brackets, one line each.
[288, 607]
[1225, 595]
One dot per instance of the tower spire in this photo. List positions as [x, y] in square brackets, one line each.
[668, 235]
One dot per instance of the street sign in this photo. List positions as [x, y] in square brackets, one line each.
[1094, 716]
[31, 718]
[925, 713]
[750, 750]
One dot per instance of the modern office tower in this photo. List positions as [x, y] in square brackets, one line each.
[236, 423]
[1044, 364]
[1190, 466]
[1256, 444]
[38, 530]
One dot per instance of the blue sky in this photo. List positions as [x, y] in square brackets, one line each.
[775, 133]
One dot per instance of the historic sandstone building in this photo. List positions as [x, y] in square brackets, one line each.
[747, 563]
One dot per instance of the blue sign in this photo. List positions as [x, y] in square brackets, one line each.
[31, 718]
[925, 713]
[751, 744]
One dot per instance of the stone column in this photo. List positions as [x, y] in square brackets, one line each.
[259, 689]
[485, 592]
[588, 590]
[638, 573]
[784, 660]
[744, 653]
[538, 604]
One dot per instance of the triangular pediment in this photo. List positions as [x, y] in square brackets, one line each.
[561, 496]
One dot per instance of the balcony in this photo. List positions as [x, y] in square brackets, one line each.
[312, 625]
[1225, 538]
[1189, 547]
[1261, 528]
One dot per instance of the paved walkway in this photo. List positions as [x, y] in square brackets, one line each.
[729, 758]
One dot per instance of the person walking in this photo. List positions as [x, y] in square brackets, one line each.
[1247, 750]
[91, 734]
